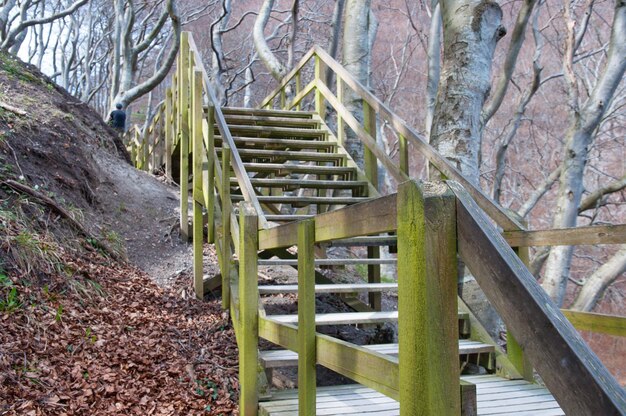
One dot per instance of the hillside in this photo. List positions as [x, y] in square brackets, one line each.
[96, 316]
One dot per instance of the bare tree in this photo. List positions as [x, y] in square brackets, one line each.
[584, 122]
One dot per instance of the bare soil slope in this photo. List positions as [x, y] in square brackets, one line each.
[82, 330]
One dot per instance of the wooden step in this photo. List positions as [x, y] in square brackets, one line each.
[245, 142]
[332, 288]
[287, 358]
[258, 120]
[373, 240]
[287, 217]
[328, 262]
[267, 112]
[520, 399]
[290, 155]
[301, 201]
[268, 131]
[287, 168]
[292, 184]
[348, 318]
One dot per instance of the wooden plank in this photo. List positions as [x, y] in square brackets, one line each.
[572, 372]
[586, 235]
[332, 288]
[372, 217]
[271, 131]
[284, 168]
[320, 105]
[287, 217]
[210, 185]
[198, 226]
[267, 113]
[347, 318]
[285, 358]
[327, 262]
[286, 79]
[305, 200]
[295, 101]
[291, 155]
[597, 322]
[427, 292]
[306, 318]
[259, 120]
[373, 240]
[304, 183]
[281, 143]
[248, 297]
[226, 223]
[469, 406]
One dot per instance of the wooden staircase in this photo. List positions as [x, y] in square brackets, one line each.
[276, 188]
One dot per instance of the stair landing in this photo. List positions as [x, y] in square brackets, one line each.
[496, 396]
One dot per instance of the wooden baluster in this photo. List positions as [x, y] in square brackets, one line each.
[168, 133]
[183, 125]
[514, 350]
[340, 128]
[306, 318]
[298, 89]
[320, 106]
[427, 300]
[404, 154]
[210, 197]
[248, 301]
[371, 171]
[198, 229]
[283, 99]
[226, 238]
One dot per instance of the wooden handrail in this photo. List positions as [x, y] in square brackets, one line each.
[496, 212]
[597, 322]
[572, 372]
[240, 172]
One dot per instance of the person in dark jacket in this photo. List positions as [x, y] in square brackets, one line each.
[117, 119]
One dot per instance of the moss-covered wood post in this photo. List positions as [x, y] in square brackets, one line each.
[371, 171]
[404, 154]
[427, 300]
[306, 318]
[198, 229]
[320, 107]
[210, 197]
[183, 132]
[226, 236]
[513, 349]
[248, 313]
[168, 126]
[298, 89]
[340, 128]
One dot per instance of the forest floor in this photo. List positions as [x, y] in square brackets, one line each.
[97, 314]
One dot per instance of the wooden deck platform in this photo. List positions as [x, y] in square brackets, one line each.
[496, 396]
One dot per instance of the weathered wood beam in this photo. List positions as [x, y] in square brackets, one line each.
[571, 371]
[597, 322]
[592, 234]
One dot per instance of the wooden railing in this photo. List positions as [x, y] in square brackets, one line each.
[433, 222]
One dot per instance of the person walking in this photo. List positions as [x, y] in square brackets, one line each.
[117, 119]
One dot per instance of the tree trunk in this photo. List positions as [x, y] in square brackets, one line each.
[276, 68]
[471, 30]
[597, 283]
[579, 138]
[356, 43]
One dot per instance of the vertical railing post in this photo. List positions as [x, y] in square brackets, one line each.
[320, 107]
[183, 126]
[226, 210]
[404, 154]
[340, 129]
[371, 171]
[248, 301]
[513, 348]
[306, 318]
[198, 228]
[427, 300]
[283, 98]
[298, 89]
[168, 133]
[210, 197]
